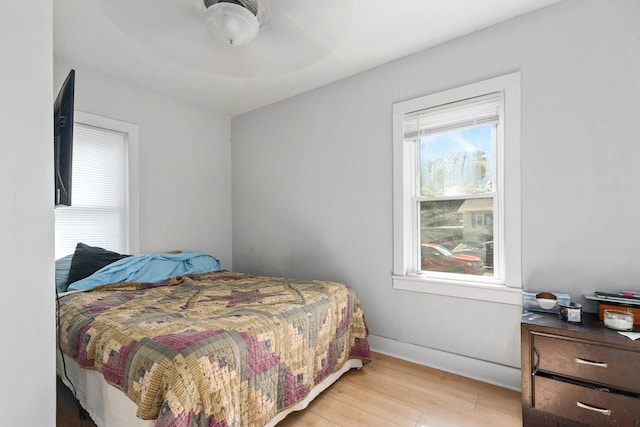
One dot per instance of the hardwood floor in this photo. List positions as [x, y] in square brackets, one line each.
[386, 392]
[68, 410]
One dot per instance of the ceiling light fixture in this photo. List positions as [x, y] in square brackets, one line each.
[234, 22]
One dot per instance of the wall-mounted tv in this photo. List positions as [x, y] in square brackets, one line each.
[63, 140]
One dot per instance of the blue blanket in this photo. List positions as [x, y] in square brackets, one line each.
[150, 268]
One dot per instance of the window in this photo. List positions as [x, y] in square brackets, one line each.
[457, 192]
[104, 188]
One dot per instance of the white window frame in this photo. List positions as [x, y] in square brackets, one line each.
[507, 288]
[130, 132]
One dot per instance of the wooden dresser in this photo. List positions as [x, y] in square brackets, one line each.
[577, 375]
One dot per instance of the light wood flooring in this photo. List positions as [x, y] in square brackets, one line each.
[386, 392]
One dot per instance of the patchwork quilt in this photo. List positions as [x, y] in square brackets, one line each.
[214, 349]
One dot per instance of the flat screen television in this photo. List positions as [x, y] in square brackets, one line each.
[63, 140]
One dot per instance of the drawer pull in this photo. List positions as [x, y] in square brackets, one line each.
[591, 363]
[537, 364]
[606, 412]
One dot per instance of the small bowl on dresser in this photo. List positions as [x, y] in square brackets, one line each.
[618, 320]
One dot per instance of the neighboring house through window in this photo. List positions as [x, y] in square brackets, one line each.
[457, 191]
[104, 187]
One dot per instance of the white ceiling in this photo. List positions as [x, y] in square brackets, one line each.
[164, 46]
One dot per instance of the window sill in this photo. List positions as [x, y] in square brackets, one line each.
[457, 289]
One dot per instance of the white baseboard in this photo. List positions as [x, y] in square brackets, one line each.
[481, 370]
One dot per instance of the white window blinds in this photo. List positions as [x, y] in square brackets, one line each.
[465, 113]
[98, 215]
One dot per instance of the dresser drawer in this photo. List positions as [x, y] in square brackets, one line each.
[585, 405]
[609, 366]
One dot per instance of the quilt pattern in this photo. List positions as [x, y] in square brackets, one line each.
[214, 349]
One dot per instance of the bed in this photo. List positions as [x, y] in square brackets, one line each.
[217, 348]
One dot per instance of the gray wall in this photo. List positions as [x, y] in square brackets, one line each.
[312, 195]
[27, 309]
[184, 163]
